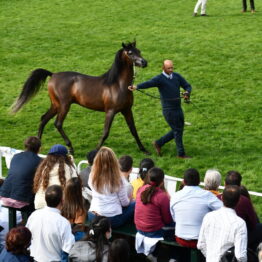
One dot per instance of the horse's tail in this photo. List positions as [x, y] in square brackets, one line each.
[31, 87]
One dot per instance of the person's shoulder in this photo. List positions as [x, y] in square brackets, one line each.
[176, 74]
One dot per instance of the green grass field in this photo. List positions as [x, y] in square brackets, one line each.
[220, 55]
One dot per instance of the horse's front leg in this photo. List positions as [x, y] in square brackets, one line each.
[108, 122]
[127, 113]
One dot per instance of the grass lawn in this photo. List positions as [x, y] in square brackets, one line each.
[220, 55]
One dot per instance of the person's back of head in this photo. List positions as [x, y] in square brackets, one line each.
[231, 195]
[53, 196]
[18, 240]
[191, 177]
[233, 178]
[156, 178]
[126, 163]
[144, 167]
[73, 200]
[119, 251]
[212, 179]
[33, 144]
[99, 233]
[90, 156]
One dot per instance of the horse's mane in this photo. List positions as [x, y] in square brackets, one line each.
[111, 76]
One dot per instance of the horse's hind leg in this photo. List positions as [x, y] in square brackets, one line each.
[108, 122]
[61, 115]
[45, 118]
[131, 124]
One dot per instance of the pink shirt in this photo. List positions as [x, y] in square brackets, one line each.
[13, 203]
[154, 215]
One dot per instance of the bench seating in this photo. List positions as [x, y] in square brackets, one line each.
[129, 230]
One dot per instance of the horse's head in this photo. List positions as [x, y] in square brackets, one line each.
[134, 54]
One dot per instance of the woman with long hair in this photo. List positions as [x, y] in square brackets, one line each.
[18, 240]
[109, 194]
[152, 211]
[73, 204]
[56, 168]
[93, 248]
[144, 167]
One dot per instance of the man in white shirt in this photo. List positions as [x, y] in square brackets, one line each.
[223, 229]
[188, 208]
[51, 233]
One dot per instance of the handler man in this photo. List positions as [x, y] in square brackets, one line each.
[168, 84]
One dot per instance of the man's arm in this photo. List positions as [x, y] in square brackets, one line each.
[154, 82]
[241, 243]
[213, 202]
[184, 84]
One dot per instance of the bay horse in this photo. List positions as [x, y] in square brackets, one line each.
[106, 93]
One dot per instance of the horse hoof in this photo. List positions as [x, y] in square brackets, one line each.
[146, 152]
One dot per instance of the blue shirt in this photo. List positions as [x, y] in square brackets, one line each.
[169, 89]
[188, 208]
[6, 256]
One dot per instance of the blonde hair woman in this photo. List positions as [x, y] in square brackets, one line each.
[109, 194]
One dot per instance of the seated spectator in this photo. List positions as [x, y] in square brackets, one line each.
[94, 248]
[119, 251]
[51, 232]
[109, 195]
[223, 229]
[84, 174]
[73, 206]
[126, 163]
[245, 210]
[152, 212]
[144, 167]
[55, 169]
[17, 241]
[16, 190]
[188, 208]
[212, 181]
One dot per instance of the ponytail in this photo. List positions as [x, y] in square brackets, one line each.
[97, 235]
[156, 176]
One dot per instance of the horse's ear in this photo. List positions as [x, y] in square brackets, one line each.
[134, 43]
[123, 45]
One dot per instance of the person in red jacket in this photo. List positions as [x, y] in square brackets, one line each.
[152, 211]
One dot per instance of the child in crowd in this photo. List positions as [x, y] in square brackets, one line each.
[94, 248]
[55, 169]
[109, 195]
[84, 174]
[119, 251]
[126, 163]
[17, 241]
[144, 166]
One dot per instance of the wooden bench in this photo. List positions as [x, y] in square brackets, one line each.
[129, 230]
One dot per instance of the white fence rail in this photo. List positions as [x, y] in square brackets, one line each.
[170, 181]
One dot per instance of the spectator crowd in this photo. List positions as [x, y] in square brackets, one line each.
[66, 216]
